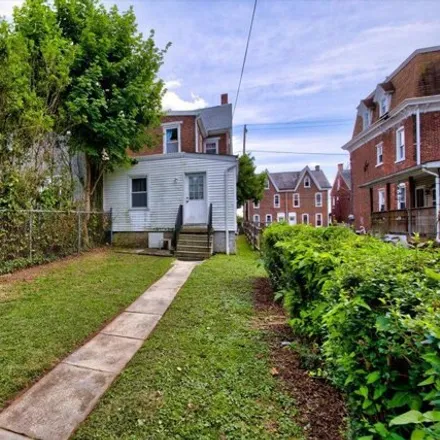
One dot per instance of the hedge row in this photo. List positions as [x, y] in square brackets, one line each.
[371, 311]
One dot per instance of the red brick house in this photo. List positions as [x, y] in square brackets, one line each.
[186, 183]
[340, 195]
[395, 150]
[294, 197]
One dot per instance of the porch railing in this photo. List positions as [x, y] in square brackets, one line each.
[177, 227]
[419, 220]
[210, 229]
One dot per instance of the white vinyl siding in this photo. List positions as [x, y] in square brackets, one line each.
[166, 178]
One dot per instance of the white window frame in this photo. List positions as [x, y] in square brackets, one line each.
[379, 153]
[130, 191]
[267, 183]
[256, 218]
[400, 147]
[281, 216]
[168, 126]
[215, 140]
[366, 119]
[296, 200]
[308, 181]
[384, 98]
[292, 222]
[305, 215]
[319, 215]
[276, 205]
[256, 205]
[268, 216]
[318, 205]
[381, 198]
[401, 196]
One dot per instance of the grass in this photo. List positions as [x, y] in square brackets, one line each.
[204, 373]
[44, 319]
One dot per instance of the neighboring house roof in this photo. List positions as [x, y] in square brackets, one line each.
[289, 180]
[346, 175]
[214, 120]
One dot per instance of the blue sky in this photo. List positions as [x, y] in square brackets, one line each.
[308, 61]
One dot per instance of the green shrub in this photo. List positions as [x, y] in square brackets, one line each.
[373, 311]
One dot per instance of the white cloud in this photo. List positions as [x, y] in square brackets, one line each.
[7, 6]
[173, 84]
[172, 101]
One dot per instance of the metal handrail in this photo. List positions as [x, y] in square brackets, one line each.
[177, 226]
[209, 223]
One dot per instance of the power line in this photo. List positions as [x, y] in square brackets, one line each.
[245, 55]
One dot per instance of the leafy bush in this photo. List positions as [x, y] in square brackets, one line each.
[373, 311]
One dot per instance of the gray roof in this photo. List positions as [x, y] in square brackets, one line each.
[289, 180]
[346, 175]
[217, 118]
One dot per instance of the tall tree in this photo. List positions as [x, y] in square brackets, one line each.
[250, 185]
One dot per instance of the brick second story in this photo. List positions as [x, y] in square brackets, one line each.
[294, 197]
[205, 131]
[340, 195]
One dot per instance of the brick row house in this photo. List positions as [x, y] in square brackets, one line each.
[184, 186]
[341, 200]
[294, 197]
[395, 150]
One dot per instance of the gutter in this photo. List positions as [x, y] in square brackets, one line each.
[437, 200]
[226, 207]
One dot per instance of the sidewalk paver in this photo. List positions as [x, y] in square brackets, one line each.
[54, 407]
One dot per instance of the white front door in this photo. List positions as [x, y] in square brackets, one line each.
[195, 208]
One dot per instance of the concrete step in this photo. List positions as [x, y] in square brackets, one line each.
[192, 256]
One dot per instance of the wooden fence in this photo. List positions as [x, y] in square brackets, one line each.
[253, 232]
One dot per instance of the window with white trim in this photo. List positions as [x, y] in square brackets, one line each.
[139, 195]
[256, 205]
[292, 218]
[305, 219]
[381, 199]
[256, 218]
[366, 119]
[211, 145]
[296, 202]
[384, 105]
[281, 217]
[268, 219]
[401, 196]
[307, 183]
[171, 138]
[276, 201]
[318, 200]
[400, 144]
[379, 154]
[266, 183]
[318, 219]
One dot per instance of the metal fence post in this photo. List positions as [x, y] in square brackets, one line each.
[79, 231]
[30, 234]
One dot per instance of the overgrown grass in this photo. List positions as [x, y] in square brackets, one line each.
[44, 319]
[204, 372]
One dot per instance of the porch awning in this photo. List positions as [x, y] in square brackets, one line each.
[398, 177]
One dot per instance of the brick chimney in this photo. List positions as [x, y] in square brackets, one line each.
[317, 168]
[224, 98]
[340, 167]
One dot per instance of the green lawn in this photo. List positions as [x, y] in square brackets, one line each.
[44, 319]
[204, 372]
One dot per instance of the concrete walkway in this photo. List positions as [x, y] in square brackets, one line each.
[54, 407]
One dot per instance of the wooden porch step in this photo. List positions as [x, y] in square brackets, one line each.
[192, 255]
[196, 229]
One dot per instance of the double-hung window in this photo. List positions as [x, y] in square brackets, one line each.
[401, 196]
[268, 219]
[211, 146]
[276, 201]
[318, 219]
[171, 138]
[256, 205]
[366, 119]
[400, 144]
[383, 105]
[256, 218]
[379, 154]
[296, 200]
[139, 195]
[381, 199]
[318, 200]
[266, 183]
[305, 219]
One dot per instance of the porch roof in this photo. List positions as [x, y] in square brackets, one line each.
[415, 171]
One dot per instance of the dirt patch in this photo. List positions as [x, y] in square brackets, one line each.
[32, 272]
[321, 409]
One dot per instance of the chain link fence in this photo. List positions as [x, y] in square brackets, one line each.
[34, 236]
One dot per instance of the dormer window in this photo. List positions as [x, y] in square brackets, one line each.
[211, 145]
[266, 183]
[307, 182]
[366, 119]
[383, 108]
[171, 137]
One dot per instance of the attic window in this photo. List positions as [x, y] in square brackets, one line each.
[366, 119]
[266, 183]
[171, 137]
[307, 182]
[384, 105]
[211, 146]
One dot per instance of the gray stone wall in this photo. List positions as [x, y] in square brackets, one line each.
[220, 242]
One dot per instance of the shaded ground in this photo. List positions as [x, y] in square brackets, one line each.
[320, 407]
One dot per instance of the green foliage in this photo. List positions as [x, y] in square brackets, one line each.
[372, 309]
[250, 185]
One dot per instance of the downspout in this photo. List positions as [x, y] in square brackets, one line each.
[418, 149]
[196, 130]
[437, 201]
[226, 207]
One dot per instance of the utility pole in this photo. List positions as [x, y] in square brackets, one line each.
[244, 139]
